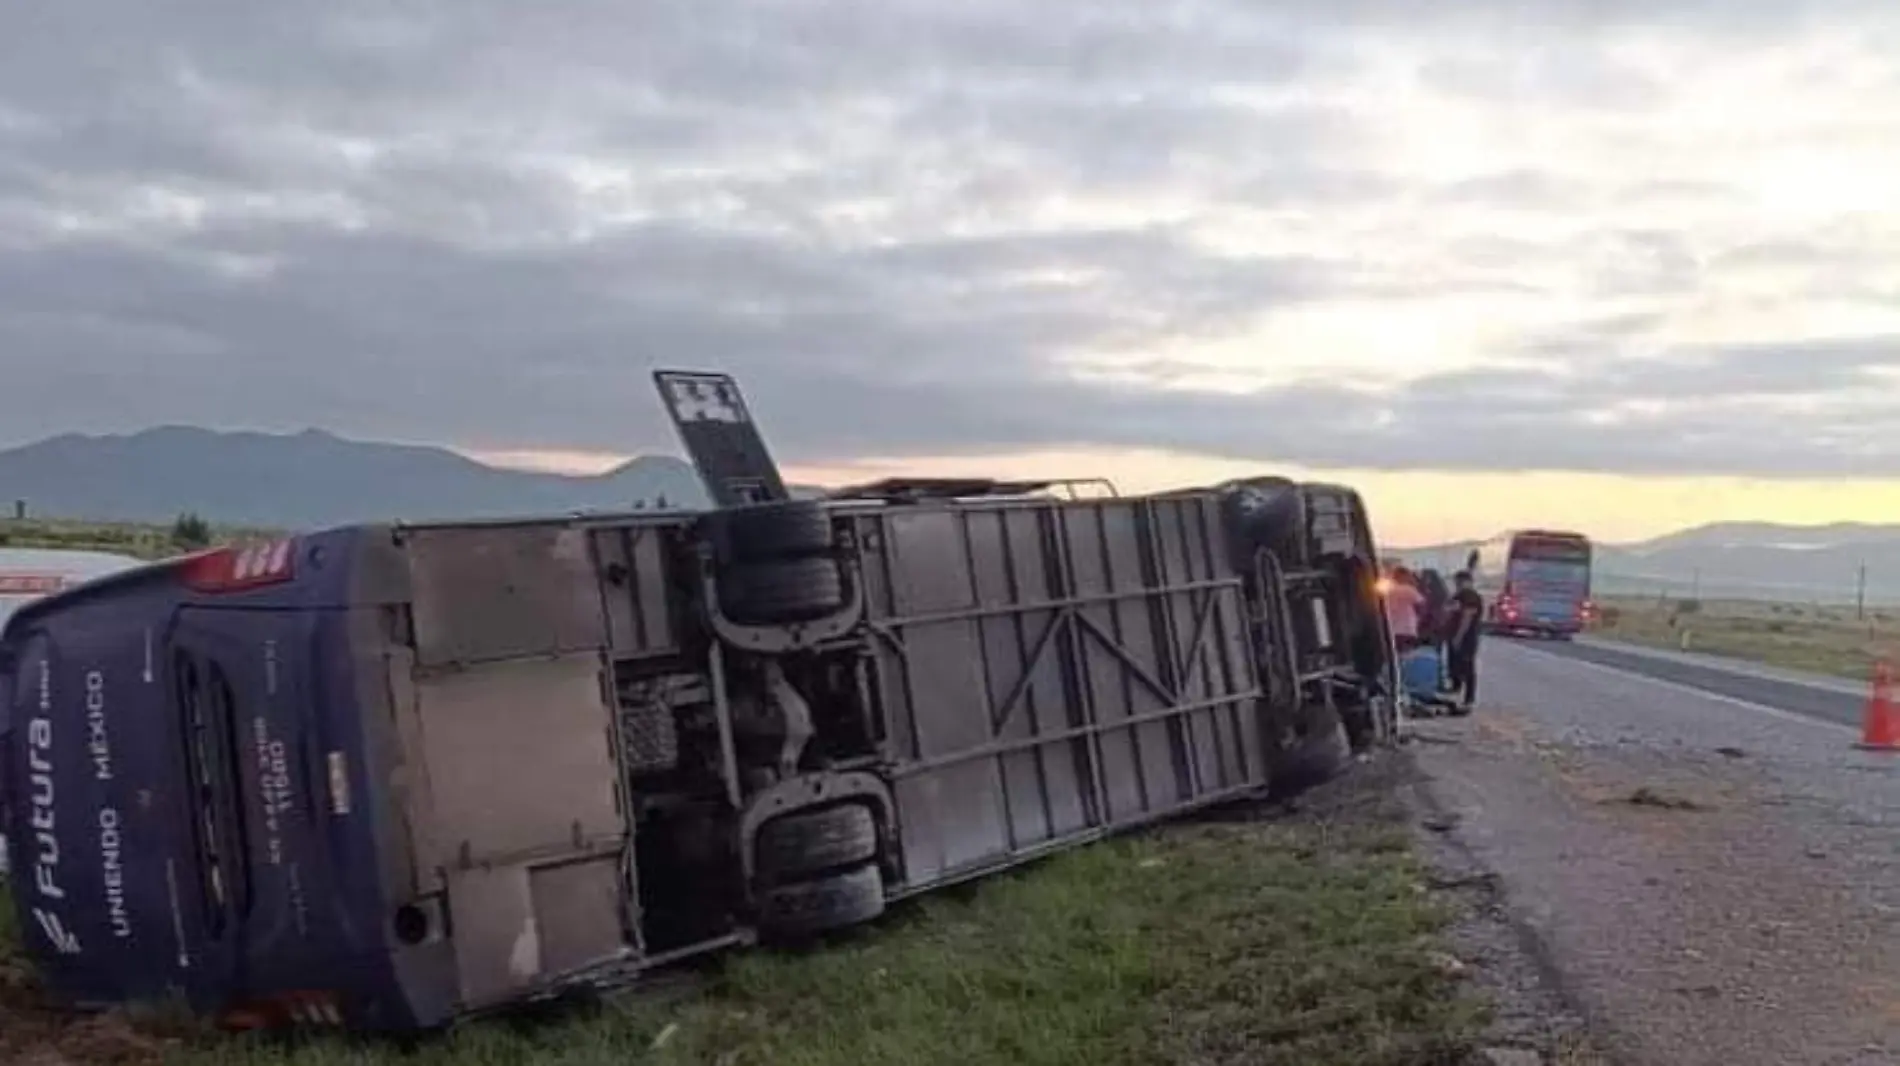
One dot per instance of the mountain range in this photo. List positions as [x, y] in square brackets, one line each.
[314, 479]
[308, 480]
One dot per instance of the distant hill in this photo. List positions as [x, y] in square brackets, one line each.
[307, 480]
[312, 479]
[1745, 560]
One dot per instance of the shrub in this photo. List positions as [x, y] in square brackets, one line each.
[191, 532]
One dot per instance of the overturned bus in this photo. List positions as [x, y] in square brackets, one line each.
[389, 776]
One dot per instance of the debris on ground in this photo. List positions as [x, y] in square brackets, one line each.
[1650, 797]
[1447, 965]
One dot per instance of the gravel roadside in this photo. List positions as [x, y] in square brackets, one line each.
[1698, 883]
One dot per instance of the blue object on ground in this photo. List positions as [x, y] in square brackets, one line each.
[1422, 670]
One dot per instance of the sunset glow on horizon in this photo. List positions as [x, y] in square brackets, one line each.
[1409, 508]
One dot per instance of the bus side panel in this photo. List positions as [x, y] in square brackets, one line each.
[1227, 737]
[1049, 671]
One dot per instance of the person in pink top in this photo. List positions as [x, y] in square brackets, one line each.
[1404, 603]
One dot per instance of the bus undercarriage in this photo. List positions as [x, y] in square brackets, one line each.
[813, 708]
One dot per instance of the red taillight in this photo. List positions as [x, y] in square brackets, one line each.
[284, 1010]
[241, 566]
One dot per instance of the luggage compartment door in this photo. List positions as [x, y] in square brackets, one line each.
[522, 818]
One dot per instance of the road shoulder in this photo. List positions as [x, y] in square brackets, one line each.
[1662, 898]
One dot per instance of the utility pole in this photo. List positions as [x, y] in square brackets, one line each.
[1860, 594]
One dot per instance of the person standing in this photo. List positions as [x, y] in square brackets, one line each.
[1404, 604]
[1433, 616]
[1461, 643]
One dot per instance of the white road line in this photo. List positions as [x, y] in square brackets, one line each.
[1691, 690]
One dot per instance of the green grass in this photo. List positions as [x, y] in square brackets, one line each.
[122, 538]
[1818, 639]
[1271, 944]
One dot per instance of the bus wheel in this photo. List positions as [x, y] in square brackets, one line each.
[775, 593]
[1315, 758]
[803, 908]
[767, 532]
[811, 842]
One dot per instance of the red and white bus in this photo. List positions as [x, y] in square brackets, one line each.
[1536, 581]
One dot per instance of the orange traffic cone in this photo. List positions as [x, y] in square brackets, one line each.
[1880, 727]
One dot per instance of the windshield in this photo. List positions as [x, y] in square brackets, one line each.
[1545, 573]
[1551, 549]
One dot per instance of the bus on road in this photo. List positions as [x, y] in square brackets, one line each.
[1536, 582]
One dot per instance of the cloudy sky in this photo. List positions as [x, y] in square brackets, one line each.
[1612, 264]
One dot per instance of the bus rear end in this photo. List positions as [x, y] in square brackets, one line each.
[184, 793]
[1547, 585]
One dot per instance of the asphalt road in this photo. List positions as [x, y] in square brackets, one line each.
[1703, 861]
[1828, 699]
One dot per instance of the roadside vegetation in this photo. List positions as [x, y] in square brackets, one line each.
[1817, 638]
[1297, 942]
[188, 533]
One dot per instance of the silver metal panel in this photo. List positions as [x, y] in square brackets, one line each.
[1023, 775]
[544, 727]
[577, 913]
[1050, 670]
[497, 942]
[496, 592]
[632, 564]
[945, 691]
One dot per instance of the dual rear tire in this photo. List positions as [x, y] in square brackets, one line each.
[817, 871]
[776, 563]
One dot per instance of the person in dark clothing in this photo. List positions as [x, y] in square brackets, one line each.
[1461, 643]
[1431, 628]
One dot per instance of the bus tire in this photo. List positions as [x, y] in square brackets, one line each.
[769, 532]
[777, 593]
[805, 908]
[812, 842]
[1313, 760]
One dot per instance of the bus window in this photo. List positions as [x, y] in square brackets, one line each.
[205, 706]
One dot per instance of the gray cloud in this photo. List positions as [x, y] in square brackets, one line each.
[905, 225]
[1531, 189]
[1549, 72]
